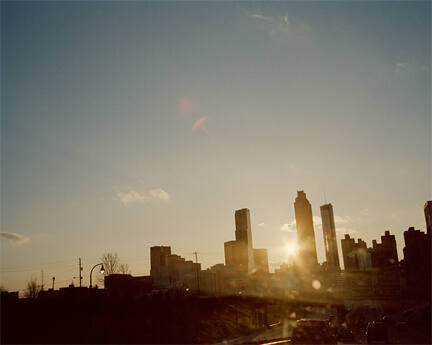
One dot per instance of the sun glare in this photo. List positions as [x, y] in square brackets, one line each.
[291, 249]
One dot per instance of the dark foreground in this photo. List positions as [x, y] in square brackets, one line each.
[93, 318]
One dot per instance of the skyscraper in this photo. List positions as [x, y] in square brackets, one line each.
[243, 234]
[428, 216]
[329, 232]
[305, 231]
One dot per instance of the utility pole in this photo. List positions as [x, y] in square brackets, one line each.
[53, 278]
[80, 272]
[197, 271]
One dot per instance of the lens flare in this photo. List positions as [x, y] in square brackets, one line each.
[291, 249]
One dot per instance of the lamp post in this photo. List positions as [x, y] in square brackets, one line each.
[102, 270]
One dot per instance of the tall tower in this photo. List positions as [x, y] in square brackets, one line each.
[329, 232]
[428, 216]
[243, 235]
[305, 231]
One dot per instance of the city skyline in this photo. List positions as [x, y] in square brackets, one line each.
[241, 248]
[131, 125]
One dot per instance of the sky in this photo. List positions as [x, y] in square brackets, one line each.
[129, 124]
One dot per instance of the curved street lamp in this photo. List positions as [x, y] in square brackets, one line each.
[102, 270]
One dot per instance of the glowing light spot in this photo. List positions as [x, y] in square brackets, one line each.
[316, 284]
[291, 249]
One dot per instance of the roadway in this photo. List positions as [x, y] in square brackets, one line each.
[279, 331]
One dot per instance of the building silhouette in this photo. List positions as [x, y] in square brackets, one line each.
[159, 265]
[428, 216]
[243, 234]
[305, 231]
[385, 266]
[233, 253]
[417, 262]
[261, 260]
[329, 232]
[356, 256]
[183, 272]
[170, 270]
[239, 253]
[385, 253]
[126, 285]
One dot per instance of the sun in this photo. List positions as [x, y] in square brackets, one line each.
[291, 249]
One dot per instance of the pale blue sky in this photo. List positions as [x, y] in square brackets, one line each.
[131, 124]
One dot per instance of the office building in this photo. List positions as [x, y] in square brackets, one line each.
[305, 231]
[243, 234]
[329, 232]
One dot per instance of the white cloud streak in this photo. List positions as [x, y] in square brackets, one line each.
[401, 68]
[340, 222]
[279, 28]
[289, 227]
[133, 197]
[15, 238]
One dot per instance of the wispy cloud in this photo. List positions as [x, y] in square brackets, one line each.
[289, 227]
[341, 231]
[200, 124]
[279, 27]
[401, 68]
[342, 225]
[342, 220]
[186, 105]
[260, 17]
[132, 196]
[261, 225]
[14, 237]
[159, 193]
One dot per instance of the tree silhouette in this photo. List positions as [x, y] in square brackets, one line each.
[124, 269]
[32, 289]
[112, 265]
